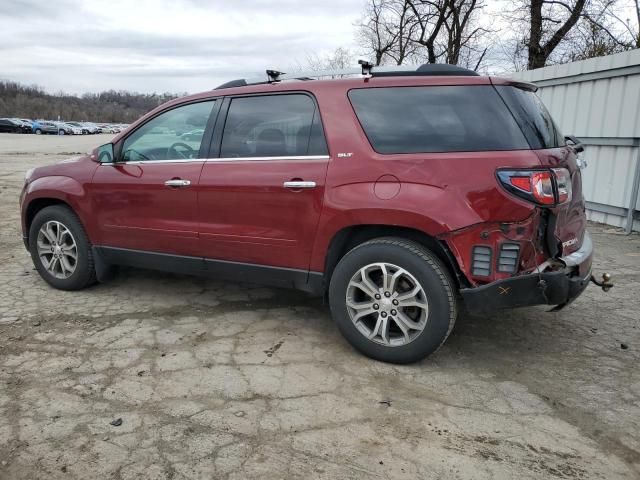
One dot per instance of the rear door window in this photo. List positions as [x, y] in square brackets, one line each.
[436, 119]
[285, 125]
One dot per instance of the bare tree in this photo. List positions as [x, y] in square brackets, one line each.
[547, 24]
[402, 31]
[634, 32]
[431, 17]
[597, 34]
[463, 34]
[339, 59]
[630, 35]
[386, 31]
[559, 31]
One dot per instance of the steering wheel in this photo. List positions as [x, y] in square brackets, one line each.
[173, 152]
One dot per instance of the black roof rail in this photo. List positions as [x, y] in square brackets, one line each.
[240, 82]
[427, 69]
[367, 70]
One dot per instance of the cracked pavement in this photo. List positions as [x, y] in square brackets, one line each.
[219, 380]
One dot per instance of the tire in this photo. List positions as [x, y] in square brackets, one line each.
[38, 131]
[433, 311]
[61, 132]
[84, 273]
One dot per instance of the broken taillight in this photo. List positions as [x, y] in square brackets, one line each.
[544, 187]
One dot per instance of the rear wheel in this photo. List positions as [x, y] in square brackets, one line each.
[60, 249]
[38, 131]
[393, 300]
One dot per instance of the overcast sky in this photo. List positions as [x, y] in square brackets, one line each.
[164, 45]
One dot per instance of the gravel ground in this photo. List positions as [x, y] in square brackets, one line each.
[165, 376]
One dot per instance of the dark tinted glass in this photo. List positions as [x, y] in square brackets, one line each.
[532, 116]
[436, 119]
[272, 126]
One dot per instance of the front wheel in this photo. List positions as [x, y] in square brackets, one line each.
[60, 249]
[393, 300]
[38, 131]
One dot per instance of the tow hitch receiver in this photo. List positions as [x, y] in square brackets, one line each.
[605, 284]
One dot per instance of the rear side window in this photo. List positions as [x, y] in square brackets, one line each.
[532, 116]
[436, 119]
[273, 126]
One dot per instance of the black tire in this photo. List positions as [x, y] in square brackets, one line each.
[84, 273]
[38, 131]
[427, 269]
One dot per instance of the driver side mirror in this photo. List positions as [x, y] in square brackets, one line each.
[105, 153]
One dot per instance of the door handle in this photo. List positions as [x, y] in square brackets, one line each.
[296, 184]
[177, 182]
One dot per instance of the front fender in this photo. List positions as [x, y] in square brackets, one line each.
[57, 188]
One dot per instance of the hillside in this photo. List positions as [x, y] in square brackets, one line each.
[33, 102]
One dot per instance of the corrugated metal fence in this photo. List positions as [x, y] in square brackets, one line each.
[598, 101]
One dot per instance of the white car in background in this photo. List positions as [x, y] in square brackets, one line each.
[74, 129]
[68, 129]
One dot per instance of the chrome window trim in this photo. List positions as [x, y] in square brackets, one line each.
[263, 159]
[142, 162]
[224, 160]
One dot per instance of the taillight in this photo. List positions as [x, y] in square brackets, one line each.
[563, 183]
[545, 187]
[542, 187]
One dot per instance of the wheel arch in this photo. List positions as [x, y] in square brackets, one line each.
[38, 204]
[349, 237]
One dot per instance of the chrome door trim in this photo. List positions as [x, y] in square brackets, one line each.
[264, 159]
[144, 162]
[223, 160]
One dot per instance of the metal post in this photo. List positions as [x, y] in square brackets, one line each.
[633, 201]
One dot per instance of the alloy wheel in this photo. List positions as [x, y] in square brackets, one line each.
[387, 304]
[57, 249]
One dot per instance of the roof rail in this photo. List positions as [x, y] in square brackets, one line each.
[367, 70]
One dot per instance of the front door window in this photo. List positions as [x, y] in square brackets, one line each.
[173, 135]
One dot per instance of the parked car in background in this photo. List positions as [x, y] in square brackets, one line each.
[92, 127]
[41, 127]
[25, 125]
[65, 128]
[83, 130]
[9, 126]
[107, 128]
[75, 130]
[193, 135]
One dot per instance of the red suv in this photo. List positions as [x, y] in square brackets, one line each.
[399, 195]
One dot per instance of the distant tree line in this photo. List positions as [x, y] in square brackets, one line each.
[112, 106]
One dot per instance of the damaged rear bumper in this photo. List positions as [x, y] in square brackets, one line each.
[558, 287]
